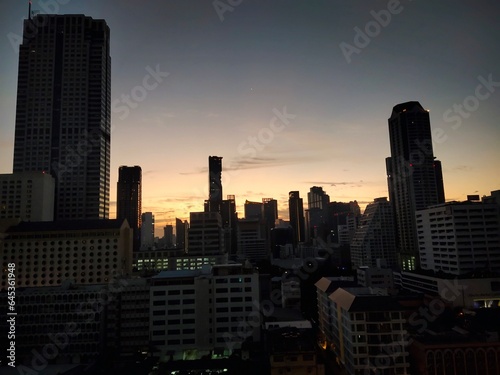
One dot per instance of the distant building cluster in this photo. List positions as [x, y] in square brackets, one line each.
[409, 286]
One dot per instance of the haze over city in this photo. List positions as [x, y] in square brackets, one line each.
[276, 90]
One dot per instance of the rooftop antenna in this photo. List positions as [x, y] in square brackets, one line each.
[29, 10]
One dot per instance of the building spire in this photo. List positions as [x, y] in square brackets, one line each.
[29, 10]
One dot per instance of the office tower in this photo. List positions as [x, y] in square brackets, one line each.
[229, 218]
[168, 236]
[316, 214]
[460, 237]
[375, 237]
[270, 211]
[147, 231]
[414, 177]
[253, 210]
[28, 196]
[317, 198]
[63, 111]
[252, 240]
[205, 234]
[214, 184]
[129, 199]
[181, 232]
[296, 214]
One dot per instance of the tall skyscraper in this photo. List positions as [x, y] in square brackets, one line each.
[296, 213]
[414, 178]
[316, 214]
[147, 231]
[129, 199]
[214, 184]
[63, 114]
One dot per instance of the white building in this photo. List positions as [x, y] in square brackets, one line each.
[194, 312]
[459, 237]
[28, 196]
[460, 292]
[84, 251]
[375, 237]
[365, 330]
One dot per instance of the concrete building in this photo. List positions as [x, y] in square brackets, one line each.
[63, 113]
[127, 316]
[293, 351]
[154, 261]
[375, 237]
[375, 277]
[460, 237]
[28, 196]
[195, 312]
[62, 321]
[252, 241]
[460, 292]
[48, 253]
[455, 353]
[205, 234]
[365, 330]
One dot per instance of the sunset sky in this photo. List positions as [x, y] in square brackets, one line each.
[233, 70]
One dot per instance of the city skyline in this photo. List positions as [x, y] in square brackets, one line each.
[275, 94]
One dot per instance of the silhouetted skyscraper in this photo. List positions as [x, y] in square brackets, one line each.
[214, 184]
[129, 199]
[316, 213]
[414, 177]
[147, 231]
[63, 114]
[296, 213]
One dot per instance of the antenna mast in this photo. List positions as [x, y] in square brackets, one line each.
[29, 10]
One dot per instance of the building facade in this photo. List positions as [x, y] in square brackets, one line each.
[195, 312]
[460, 237]
[129, 199]
[48, 253]
[375, 237]
[28, 196]
[63, 115]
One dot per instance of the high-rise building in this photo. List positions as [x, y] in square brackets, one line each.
[206, 235]
[316, 214]
[129, 199]
[375, 237]
[63, 115]
[168, 236]
[214, 184]
[414, 178]
[270, 211]
[181, 233]
[253, 210]
[229, 218]
[296, 212]
[147, 231]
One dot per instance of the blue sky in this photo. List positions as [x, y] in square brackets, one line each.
[230, 74]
